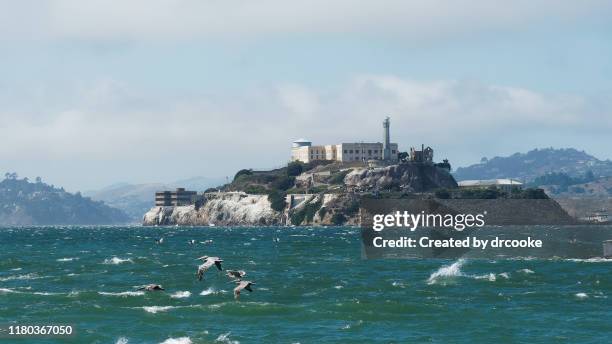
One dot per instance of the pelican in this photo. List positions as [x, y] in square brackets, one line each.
[151, 287]
[242, 285]
[236, 274]
[208, 263]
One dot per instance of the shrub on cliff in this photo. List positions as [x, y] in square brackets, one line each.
[277, 200]
[338, 219]
[283, 183]
[244, 172]
[294, 168]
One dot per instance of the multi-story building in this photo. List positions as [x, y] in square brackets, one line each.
[175, 198]
[303, 150]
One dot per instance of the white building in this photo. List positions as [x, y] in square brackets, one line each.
[503, 184]
[303, 150]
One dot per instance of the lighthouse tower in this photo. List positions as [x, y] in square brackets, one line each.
[387, 139]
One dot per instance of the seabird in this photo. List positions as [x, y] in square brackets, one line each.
[159, 241]
[192, 241]
[151, 287]
[208, 263]
[242, 285]
[236, 274]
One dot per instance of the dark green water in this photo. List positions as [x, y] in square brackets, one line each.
[312, 287]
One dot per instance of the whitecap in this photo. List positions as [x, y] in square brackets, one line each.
[224, 338]
[490, 277]
[446, 272]
[68, 259]
[180, 295]
[505, 275]
[16, 269]
[117, 260]
[123, 293]
[156, 309]
[581, 295]
[592, 260]
[180, 340]
[122, 340]
[208, 291]
[526, 271]
[20, 277]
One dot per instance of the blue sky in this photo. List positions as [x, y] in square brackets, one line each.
[151, 91]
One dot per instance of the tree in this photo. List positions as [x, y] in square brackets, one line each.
[294, 168]
[244, 172]
[277, 200]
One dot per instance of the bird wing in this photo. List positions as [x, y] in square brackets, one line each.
[207, 264]
[218, 264]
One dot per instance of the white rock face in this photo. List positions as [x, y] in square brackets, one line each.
[224, 208]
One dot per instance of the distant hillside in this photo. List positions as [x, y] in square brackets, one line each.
[601, 187]
[24, 203]
[538, 162]
[136, 199]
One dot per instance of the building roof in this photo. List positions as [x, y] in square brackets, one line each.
[489, 182]
[302, 140]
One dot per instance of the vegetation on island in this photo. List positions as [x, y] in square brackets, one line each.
[36, 203]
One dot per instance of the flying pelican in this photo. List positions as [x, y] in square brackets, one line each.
[151, 287]
[242, 285]
[236, 274]
[208, 263]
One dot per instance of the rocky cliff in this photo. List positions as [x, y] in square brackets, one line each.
[223, 208]
[403, 177]
[325, 195]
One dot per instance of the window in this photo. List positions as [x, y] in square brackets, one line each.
[369, 152]
[393, 151]
[345, 151]
[351, 151]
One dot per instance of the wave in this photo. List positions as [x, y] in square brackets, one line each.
[123, 293]
[449, 272]
[181, 295]
[21, 277]
[211, 291]
[180, 340]
[581, 295]
[122, 340]
[592, 260]
[526, 271]
[224, 338]
[156, 309]
[44, 293]
[68, 259]
[446, 272]
[117, 260]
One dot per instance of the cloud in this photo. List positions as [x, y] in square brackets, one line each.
[110, 121]
[189, 19]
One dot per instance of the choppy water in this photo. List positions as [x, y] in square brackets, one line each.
[312, 286]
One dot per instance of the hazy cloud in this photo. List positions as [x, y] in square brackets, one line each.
[255, 129]
[187, 19]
